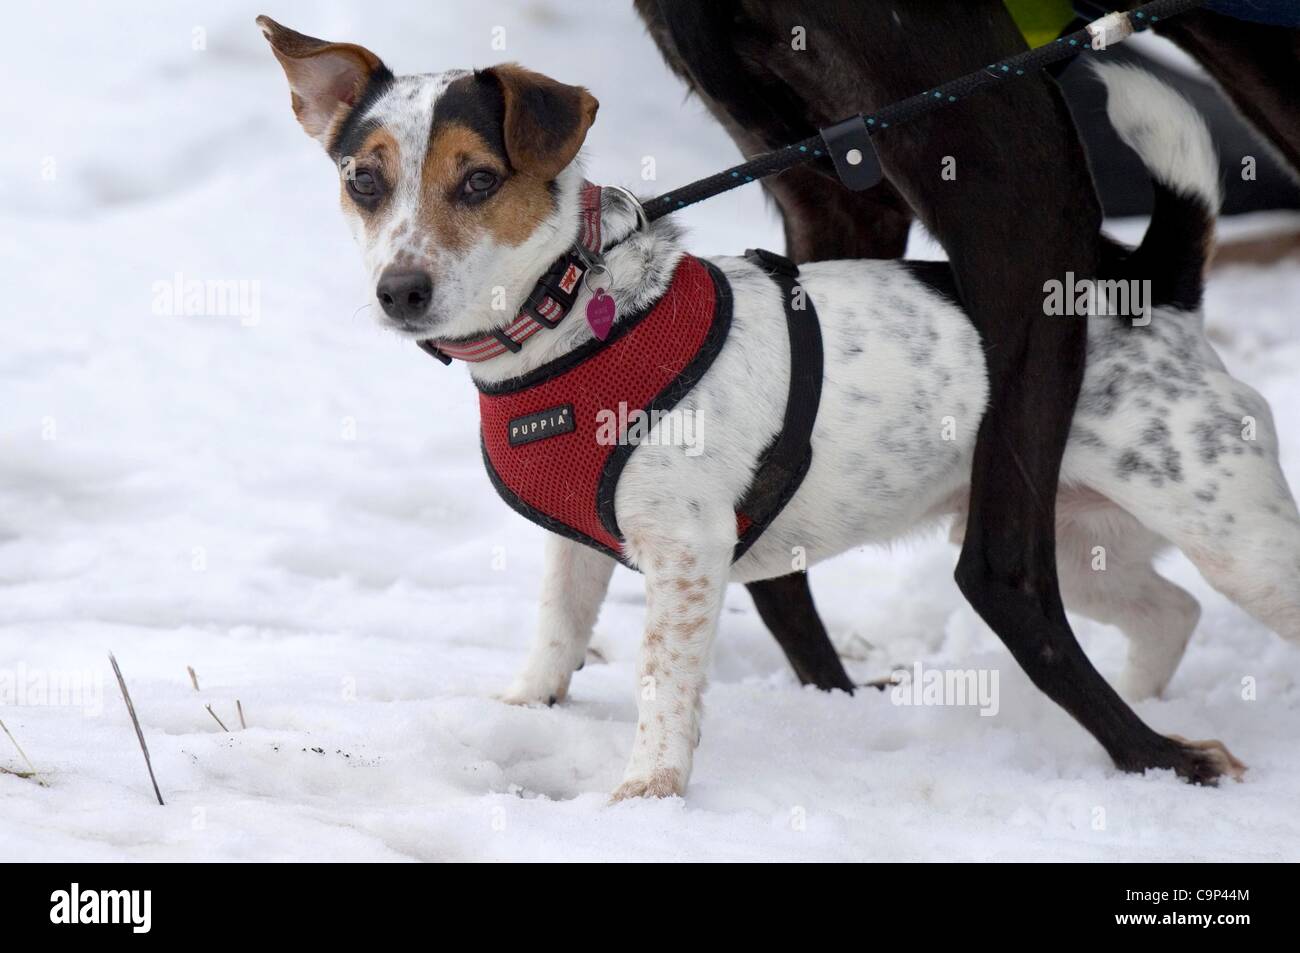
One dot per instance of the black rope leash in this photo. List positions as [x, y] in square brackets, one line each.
[848, 144]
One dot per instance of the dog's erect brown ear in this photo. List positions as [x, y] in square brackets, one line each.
[325, 79]
[546, 121]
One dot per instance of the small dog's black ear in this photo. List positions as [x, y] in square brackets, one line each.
[546, 121]
[325, 79]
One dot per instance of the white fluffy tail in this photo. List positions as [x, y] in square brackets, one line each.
[1171, 138]
[1164, 129]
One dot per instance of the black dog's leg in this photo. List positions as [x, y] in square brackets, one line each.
[1020, 210]
[785, 605]
[1007, 568]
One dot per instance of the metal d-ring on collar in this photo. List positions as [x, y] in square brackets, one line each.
[592, 286]
[642, 220]
[595, 261]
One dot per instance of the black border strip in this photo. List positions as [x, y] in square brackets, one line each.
[671, 395]
[784, 464]
[760, 523]
[544, 520]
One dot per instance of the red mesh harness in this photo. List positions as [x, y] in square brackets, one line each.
[547, 438]
[543, 441]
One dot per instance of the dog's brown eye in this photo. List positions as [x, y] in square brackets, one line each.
[364, 183]
[479, 184]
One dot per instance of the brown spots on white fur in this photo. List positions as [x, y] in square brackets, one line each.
[687, 629]
[684, 587]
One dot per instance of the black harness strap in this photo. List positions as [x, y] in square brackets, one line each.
[785, 462]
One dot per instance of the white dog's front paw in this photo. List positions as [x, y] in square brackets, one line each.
[656, 770]
[536, 689]
[664, 782]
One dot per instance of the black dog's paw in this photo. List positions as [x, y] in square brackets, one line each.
[1204, 762]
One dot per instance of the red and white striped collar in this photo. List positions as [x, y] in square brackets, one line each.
[551, 299]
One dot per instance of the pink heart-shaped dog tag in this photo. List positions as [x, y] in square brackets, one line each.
[600, 313]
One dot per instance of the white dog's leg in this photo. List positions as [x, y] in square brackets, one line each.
[685, 583]
[1104, 557]
[573, 586]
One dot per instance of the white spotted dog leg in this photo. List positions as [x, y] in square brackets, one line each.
[1233, 514]
[685, 583]
[573, 587]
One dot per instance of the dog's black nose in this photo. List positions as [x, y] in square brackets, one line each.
[405, 295]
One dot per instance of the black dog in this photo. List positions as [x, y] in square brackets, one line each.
[1020, 175]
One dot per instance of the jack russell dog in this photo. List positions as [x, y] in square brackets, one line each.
[465, 193]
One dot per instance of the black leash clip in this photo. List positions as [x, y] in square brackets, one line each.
[849, 145]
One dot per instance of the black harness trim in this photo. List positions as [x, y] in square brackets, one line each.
[785, 462]
[670, 396]
[534, 515]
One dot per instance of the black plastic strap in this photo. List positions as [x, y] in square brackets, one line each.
[772, 263]
[850, 148]
[784, 463]
[430, 348]
[507, 342]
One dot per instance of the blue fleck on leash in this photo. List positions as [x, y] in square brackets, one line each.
[848, 143]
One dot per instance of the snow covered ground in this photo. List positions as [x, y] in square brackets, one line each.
[292, 502]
